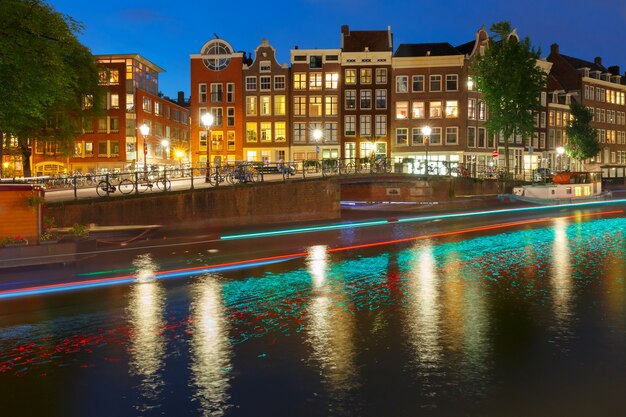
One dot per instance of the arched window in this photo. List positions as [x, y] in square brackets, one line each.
[216, 54]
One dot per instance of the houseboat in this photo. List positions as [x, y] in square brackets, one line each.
[565, 187]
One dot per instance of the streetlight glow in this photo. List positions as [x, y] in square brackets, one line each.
[165, 143]
[207, 120]
[144, 129]
[317, 134]
[426, 130]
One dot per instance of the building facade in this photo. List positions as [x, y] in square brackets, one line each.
[366, 93]
[266, 95]
[216, 87]
[113, 141]
[315, 94]
[603, 92]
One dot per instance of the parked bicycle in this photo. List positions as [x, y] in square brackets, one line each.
[148, 182]
[105, 187]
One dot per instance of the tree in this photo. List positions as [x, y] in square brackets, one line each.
[508, 77]
[45, 75]
[582, 138]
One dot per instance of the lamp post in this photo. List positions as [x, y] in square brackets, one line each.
[145, 131]
[426, 139]
[560, 150]
[317, 135]
[207, 121]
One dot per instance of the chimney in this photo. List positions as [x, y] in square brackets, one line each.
[614, 70]
[345, 30]
[295, 47]
[181, 98]
[597, 60]
[554, 49]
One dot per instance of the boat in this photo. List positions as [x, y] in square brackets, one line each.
[566, 187]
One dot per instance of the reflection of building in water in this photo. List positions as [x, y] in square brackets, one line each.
[561, 278]
[446, 314]
[145, 317]
[330, 327]
[210, 348]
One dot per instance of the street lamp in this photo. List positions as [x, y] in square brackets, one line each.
[560, 151]
[179, 156]
[207, 121]
[426, 139]
[145, 130]
[317, 135]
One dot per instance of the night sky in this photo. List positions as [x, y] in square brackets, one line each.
[167, 32]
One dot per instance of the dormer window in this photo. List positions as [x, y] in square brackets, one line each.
[584, 72]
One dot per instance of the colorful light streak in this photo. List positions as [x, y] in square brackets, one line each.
[250, 263]
[411, 219]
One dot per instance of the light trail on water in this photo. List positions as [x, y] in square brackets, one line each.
[251, 263]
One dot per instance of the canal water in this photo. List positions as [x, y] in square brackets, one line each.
[527, 322]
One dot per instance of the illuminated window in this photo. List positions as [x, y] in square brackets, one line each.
[435, 109]
[332, 80]
[266, 132]
[251, 106]
[279, 105]
[366, 75]
[331, 106]
[266, 105]
[365, 125]
[380, 125]
[251, 132]
[299, 106]
[315, 81]
[402, 109]
[350, 76]
[419, 111]
[280, 130]
[315, 106]
[452, 108]
[299, 81]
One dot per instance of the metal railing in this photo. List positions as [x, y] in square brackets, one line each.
[248, 172]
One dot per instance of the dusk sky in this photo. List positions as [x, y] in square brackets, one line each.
[167, 32]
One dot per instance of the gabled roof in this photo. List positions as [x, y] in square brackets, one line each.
[374, 40]
[580, 63]
[426, 49]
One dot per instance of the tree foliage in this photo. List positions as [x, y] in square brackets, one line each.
[508, 77]
[45, 73]
[582, 138]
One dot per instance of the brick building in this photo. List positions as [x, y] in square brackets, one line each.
[315, 94]
[267, 109]
[216, 87]
[602, 91]
[113, 142]
[366, 92]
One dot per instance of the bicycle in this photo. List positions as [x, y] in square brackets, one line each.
[347, 168]
[147, 182]
[220, 175]
[105, 187]
[244, 173]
